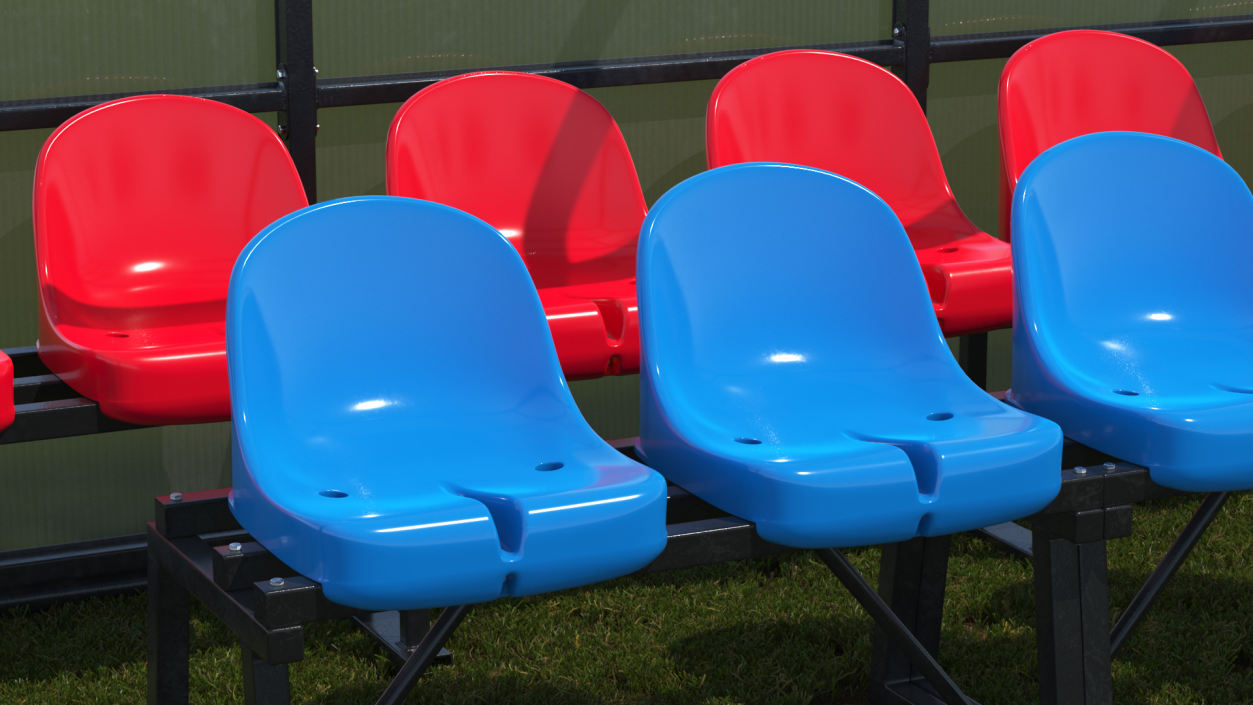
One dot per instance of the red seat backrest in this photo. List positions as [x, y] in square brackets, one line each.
[142, 204]
[538, 159]
[1077, 82]
[842, 114]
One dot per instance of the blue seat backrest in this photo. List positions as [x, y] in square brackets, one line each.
[427, 335]
[1131, 256]
[785, 298]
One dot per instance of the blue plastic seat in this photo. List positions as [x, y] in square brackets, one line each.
[828, 426]
[1134, 305]
[443, 470]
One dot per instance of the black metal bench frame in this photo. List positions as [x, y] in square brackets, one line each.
[195, 547]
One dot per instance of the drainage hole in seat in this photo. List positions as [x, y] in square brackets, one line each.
[1126, 393]
[118, 335]
[939, 416]
[748, 441]
[334, 494]
[546, 467]
[948, 249]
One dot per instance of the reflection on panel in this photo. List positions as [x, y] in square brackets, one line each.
[979, 16]
[84, 47]
[367, 37]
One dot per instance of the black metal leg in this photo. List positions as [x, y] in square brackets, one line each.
[169, 639]
[1165, 570]
[912, 577]
[424, 654]
[972, 355]
[264, 684]
[414, 625]
[902, 638]
[1072, 619]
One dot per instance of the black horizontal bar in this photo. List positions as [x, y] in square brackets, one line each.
[51, 112]
[39, 388]
[395, 88]
[60, 419]
[1000, 45]
[26, 362]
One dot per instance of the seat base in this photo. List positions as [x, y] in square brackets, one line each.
[164, 376]
[595, 328]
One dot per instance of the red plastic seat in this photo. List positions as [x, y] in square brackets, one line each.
[6, 391]
[141, 206]
[545, 164]
[851, 117]
[1074, 83]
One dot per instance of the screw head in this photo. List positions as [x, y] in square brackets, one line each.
[1080, 470]
[315, 70]
[1109, 466]
[276, 582]
[281, 74]
[176, 496]
[235, 546]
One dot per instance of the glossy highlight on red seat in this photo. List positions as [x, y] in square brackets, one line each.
[140, 207]
[546, 165]
[1073, 83]
[853, 118]
[6, 391]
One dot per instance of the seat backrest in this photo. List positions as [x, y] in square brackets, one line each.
[1131, 260]
[1073, 83]
[842, 114]
[142, 204]
[430, 292]
[771, 270]
[538, 159]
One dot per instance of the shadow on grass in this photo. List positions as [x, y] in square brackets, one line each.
[501, 689]
[804, 661]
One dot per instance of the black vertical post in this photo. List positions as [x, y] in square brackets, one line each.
[911, 25]
[414, 624]
[293, 24]
[912, 577]
[1072, 620]
[169, 637]
[972, 355]
[264, 684]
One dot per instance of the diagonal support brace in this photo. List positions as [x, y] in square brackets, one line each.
[424, 654]
[887, 620]
[1166, 570]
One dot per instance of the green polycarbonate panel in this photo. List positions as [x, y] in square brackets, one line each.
[979, 16]
[367, 37]
[89, 487]
[81, 47]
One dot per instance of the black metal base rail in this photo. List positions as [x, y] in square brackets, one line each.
[46, 407]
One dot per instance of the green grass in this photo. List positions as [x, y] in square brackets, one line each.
[778, 630]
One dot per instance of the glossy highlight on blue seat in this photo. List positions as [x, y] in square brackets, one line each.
[1133, 320]
[445, 471]
[795, 374]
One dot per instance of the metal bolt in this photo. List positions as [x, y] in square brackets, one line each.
[1080, 470]
[896, 31]
[236, 546]
[1109, 466]
[315, 70]
[176, 496]
[276, 582]
[281, 74]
